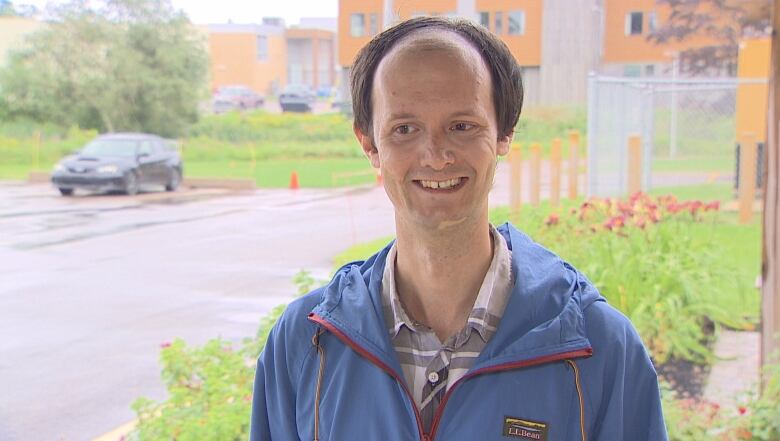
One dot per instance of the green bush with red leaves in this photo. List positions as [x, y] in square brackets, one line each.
[657, 260]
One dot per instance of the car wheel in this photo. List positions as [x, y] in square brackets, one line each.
[173, 180]
[66, 191]
[131, 184]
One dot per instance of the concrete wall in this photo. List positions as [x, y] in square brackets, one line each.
[570, 50]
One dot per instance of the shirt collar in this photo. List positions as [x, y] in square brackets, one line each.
[489, 304]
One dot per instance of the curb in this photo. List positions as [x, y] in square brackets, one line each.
[118, 433]
[230, 184]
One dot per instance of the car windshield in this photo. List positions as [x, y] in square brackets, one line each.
[232, 91]
[111, 147]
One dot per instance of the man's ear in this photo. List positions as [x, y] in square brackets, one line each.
[367, 143]
[504, 143]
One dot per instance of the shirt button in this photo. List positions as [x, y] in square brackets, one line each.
[433, 377]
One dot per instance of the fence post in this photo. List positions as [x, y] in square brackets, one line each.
[634, 164]
[747, 176]
[37, 151]
[574, 163]
[555, 172]
[515, 179]
[535, 173]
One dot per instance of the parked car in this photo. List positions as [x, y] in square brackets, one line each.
[123, 162]
[237, 97]
[297, 98]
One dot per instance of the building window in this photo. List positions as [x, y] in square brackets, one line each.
[484, 19]
[650, 70]
[357, 25]
[634, 23]
[373, 24]
[652, 21]
[499, 23]
[632, 70]
[516, 22]
[262, 48]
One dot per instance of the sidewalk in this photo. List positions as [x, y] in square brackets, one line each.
[737, 367]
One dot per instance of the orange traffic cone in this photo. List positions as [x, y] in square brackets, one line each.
[294, 181]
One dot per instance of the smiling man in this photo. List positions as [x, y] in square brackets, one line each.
[457, 330]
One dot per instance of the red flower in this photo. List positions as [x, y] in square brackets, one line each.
[165, 344]
[742, 410]
[615, 222]
[552, 220]
[712, 206]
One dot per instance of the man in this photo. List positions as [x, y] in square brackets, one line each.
[456, 330]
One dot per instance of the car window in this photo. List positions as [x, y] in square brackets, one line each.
[145, 147]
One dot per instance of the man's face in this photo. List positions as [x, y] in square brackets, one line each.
[435, 137]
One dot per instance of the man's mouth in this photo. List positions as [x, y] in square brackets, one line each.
[448, 184]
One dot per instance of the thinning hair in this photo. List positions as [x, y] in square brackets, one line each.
[504, 70]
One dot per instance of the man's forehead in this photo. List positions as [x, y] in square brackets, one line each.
[424, 42]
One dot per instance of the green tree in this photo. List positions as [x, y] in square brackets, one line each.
[110, 65]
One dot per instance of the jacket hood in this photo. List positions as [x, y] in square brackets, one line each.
[545, 307]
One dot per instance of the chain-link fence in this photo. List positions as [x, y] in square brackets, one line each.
[688, 130]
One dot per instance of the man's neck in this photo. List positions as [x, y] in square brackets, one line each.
[438, 275]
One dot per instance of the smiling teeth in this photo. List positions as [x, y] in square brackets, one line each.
[441, 184]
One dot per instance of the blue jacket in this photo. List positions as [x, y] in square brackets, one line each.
[563, 365]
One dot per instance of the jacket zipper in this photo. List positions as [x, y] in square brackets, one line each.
[359, 349]
[579, 353]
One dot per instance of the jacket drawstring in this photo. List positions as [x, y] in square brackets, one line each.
[579, 395]
[315, 340]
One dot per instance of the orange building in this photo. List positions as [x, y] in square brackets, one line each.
[268, 56]
[627, 50]
[557, 42]
[12, 33]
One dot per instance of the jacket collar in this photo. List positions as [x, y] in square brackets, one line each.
[543, 316]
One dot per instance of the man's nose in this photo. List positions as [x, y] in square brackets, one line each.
[437, 153]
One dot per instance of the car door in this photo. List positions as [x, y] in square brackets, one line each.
[147, 173]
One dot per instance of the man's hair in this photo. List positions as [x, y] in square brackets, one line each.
[504, 69]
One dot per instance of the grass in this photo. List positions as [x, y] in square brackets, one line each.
[275, 173]
[724, 164]
[706, 192]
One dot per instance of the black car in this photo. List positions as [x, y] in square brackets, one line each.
[297, 98]
[120, 162]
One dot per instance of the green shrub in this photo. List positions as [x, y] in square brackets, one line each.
[658, 261]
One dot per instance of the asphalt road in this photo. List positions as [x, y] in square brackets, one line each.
[91, 286]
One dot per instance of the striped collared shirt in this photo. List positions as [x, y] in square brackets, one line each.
[431, 367]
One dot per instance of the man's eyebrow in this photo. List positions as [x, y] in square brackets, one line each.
[406, 115]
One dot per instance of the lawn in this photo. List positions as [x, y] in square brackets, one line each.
[275, 173]
[722, 164]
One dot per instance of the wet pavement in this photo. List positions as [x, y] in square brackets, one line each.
[90, 286]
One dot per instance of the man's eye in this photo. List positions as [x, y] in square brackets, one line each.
[462, 126]
[403, 129]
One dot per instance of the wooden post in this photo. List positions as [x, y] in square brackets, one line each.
[555, 172]
[535, 173]
[634, 164]
[770, 286]
[574, 163]
[747, 176]
[515, 179]
[37, 151]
